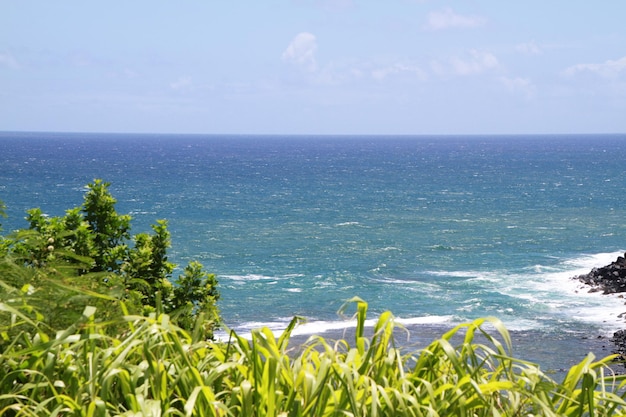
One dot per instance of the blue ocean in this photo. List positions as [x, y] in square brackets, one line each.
[439, 230]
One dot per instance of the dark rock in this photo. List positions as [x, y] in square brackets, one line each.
[619, 340]
[609, 279]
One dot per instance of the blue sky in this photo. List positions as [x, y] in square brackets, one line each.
[314, 66]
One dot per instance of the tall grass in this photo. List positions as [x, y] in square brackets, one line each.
[156, 369]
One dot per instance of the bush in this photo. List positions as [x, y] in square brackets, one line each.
[89, 257]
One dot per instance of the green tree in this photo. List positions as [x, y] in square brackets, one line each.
[195, 293]
[3, 245]
[110, 230]
[147, 268]
[89, 254]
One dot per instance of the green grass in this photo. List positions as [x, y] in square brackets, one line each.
[154, 368]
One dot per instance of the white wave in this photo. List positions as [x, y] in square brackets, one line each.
[249, 277]
[550, 290]
[585, 262]
[410, 284]
[140, 212]
[555, 289]
[457, 274]
[320, 327]
[519, 324]
[424, 320]
[543, 268]
[540, 295]
[258, 277]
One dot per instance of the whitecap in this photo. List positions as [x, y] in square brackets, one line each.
[320, 327]
[248, 277]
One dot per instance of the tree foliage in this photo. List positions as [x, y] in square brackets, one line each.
[90, 254]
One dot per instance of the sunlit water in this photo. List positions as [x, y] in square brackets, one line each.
[439, 230]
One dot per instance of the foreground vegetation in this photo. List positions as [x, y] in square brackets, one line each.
[154, 368]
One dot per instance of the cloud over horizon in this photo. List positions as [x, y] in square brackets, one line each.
[528, 48]
[474, 63]
[301, 51]
[607, 69]
[519, 85]
[313, 66]
[448, 19]
[398, 68]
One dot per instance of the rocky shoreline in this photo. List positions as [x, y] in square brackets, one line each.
[610, 279]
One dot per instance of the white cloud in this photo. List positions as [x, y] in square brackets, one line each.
[476, 63]
[528, 48]
[181, 84]
[334, 5]
[7, 60]
[301, 51]
[518, 85]
[607, 69]
[447, 19]
[398, 68]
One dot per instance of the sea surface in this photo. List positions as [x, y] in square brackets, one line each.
[440, 230]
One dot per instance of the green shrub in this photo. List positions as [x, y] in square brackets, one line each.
[90, 256]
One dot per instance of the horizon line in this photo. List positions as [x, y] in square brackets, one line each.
[60, 132]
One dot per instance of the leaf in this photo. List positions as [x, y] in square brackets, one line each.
[89, 311]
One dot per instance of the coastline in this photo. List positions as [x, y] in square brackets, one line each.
[537, 346]
[610, 279]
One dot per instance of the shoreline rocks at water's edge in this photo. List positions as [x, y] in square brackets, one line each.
[610, 279]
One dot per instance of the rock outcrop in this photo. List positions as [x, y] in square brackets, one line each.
[619, 340]
[610, 279]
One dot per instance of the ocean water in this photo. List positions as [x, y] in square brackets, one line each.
[440, 230]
